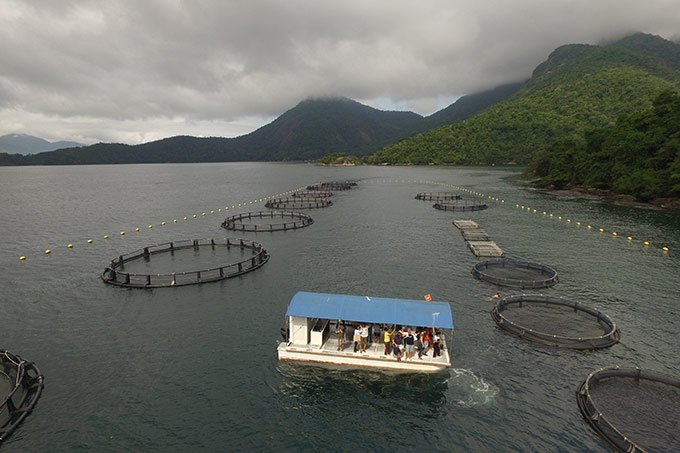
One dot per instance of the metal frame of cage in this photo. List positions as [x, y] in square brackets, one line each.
[611, 336]
[436, 196]
[114, 275]
[298, 203]
[297, 220]
[26, 377]
[460, 205]
[598, 420]
[552, 279]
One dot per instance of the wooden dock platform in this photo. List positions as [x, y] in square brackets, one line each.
[476, 234]
[485, 249]
[478, 239]
[466, 224]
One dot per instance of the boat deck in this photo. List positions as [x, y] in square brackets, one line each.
[373, 357]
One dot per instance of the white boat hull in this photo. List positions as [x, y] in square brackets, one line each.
[355, 359]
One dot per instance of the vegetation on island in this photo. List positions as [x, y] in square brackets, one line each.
[577, 88]
[340, 159]
[639, 155]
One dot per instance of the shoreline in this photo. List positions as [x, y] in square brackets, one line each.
[618, 199]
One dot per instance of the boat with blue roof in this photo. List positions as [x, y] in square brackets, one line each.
[366, 331]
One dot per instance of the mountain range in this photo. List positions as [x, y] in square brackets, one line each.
[578, 87]
[29, 144]
[308, 131]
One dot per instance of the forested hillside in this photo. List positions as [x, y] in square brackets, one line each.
[577, 88]
[639, 155]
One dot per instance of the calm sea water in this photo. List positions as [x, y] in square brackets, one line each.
[194, 368]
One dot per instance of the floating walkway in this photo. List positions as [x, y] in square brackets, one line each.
[477, 239]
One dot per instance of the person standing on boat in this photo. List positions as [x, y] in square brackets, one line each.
[409, 341]
[364, 338]
[436, 345]
[340, 330]
[387, 339]
[396, 344]
[357, 336]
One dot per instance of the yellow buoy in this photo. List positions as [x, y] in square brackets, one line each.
[162, 223]
[590, 227]
[203, 213]
[559, 218]
[601, 230]
[22, 258]
[194, 216]
[665, 249]
[212, 212]
[69, 246]
[185, 218]
[106, 236]
[174, 220]
[551, 215]
[150, 226]
[630, 238]
[578, 223]
[614, 233]
[545, 213]
[89, 241]
[568, 220]
[48, 251]
[122, 233]
[646, 243]
[137, 229]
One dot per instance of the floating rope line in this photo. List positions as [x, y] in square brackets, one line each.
[96, 239]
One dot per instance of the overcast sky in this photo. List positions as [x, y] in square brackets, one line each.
[138, 70]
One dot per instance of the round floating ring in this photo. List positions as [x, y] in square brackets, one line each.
[459, 205]
[437, 196]
[114, 275]
[291, 221]
[609, 396]
[298, 203]
[25, 390]
[560, 336]
[313, 194]
[515, 273]
[334, 185]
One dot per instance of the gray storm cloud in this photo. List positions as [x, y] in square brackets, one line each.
[135, 71]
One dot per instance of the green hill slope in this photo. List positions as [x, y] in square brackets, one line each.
[579, 87]
[639, 155]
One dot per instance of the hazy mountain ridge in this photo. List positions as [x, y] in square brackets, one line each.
[577, 88]
[30, 144]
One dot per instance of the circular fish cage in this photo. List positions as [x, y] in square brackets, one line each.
[460, 205]
[515, 273]
[633, 409]
[298, 203]
[437, 196]
[555, 321]
[248, 221]
[23, 384]
[312, 194]
[333, 185]
[114, 274]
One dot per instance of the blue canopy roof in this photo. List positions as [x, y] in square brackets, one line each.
[378, 310]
